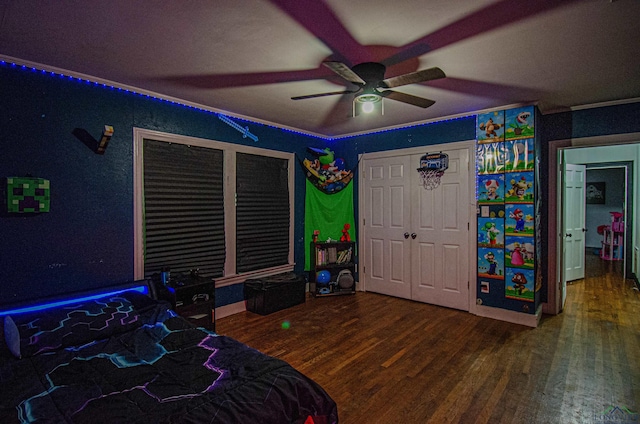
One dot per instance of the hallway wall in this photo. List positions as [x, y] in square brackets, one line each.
[599, 214]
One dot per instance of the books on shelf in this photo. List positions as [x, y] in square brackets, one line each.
[332, 255]
[344, 256]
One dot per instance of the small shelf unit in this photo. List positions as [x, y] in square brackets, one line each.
[332, 257]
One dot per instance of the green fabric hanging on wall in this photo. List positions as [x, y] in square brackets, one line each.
[327, 213]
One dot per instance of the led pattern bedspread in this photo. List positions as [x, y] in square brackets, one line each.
[160, 369]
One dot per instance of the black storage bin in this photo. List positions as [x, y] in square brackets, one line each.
[271, 294]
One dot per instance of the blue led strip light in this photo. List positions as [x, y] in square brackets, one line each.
[49, 305]
[113, 86]
[202, 109]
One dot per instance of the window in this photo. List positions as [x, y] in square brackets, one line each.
[183, 208]
[222, 208]
[262, 212]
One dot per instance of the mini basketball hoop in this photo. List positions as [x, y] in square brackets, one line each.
[432, 167]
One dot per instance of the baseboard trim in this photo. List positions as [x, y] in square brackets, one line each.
[548, 309]
[231, 309]
[510, 316]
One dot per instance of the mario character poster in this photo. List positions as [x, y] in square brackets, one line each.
[519, 252]
[490, 127]
[491, 232]
[491, 188]
[519, 123]
[519, 284]
[519, 187]
[491, 263]
[519, 219]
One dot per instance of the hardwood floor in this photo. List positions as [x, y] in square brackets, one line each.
[388, 360]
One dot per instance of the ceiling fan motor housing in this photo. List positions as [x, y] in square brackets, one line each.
[370, 72]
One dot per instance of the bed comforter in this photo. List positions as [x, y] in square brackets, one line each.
[154, 368]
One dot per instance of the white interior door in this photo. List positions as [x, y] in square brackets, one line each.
[440, 250]
[573, 218]
[387, 220]
[416, 241]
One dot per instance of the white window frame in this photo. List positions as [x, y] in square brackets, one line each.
[229, 154]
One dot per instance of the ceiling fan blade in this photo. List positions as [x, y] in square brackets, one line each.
[413, 77]
[333, 93]
[345, 72]
[407, 98]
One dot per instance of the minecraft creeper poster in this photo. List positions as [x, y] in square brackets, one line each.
[28, 195]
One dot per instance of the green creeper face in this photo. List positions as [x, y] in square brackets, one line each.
[28, 194]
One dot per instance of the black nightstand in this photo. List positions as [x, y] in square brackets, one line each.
[192, 297]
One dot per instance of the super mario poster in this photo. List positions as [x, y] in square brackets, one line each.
[490, 127]
[506, 167]
[491, 188]
[519, 123]
[519, 219]
[491, 232]
[519, 155]
[491, 263]
[490, 158]
[519, 187]
[519, 252]
[519, 284]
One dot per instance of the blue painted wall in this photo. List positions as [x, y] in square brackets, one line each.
[86, 240]
[619, 119]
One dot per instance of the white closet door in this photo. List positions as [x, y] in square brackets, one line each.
[388, 214]
[416, 241]
[440, 251]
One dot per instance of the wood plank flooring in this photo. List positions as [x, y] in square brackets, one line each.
[389, 360]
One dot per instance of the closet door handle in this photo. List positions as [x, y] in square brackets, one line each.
[406, 235]
[414, 235]
[568, 235]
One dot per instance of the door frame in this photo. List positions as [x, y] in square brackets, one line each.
[472, 234]
[627, 167]
[555, 264]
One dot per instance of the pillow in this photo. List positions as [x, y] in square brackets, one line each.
[12, 336]
[77, 324]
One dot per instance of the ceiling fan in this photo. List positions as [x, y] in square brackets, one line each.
[369, 77]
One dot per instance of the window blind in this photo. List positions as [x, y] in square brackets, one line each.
[262, 212]
[183, 208]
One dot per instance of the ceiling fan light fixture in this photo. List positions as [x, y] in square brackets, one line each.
[368, 98]
[368, 101]
[367, 107]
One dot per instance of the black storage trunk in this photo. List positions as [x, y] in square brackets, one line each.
[271, 294]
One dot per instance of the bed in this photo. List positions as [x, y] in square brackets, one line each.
[127, 358]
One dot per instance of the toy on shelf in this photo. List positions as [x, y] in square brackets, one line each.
[345, 233]
[612, 238]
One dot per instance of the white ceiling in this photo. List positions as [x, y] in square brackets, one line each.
[247, 58]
